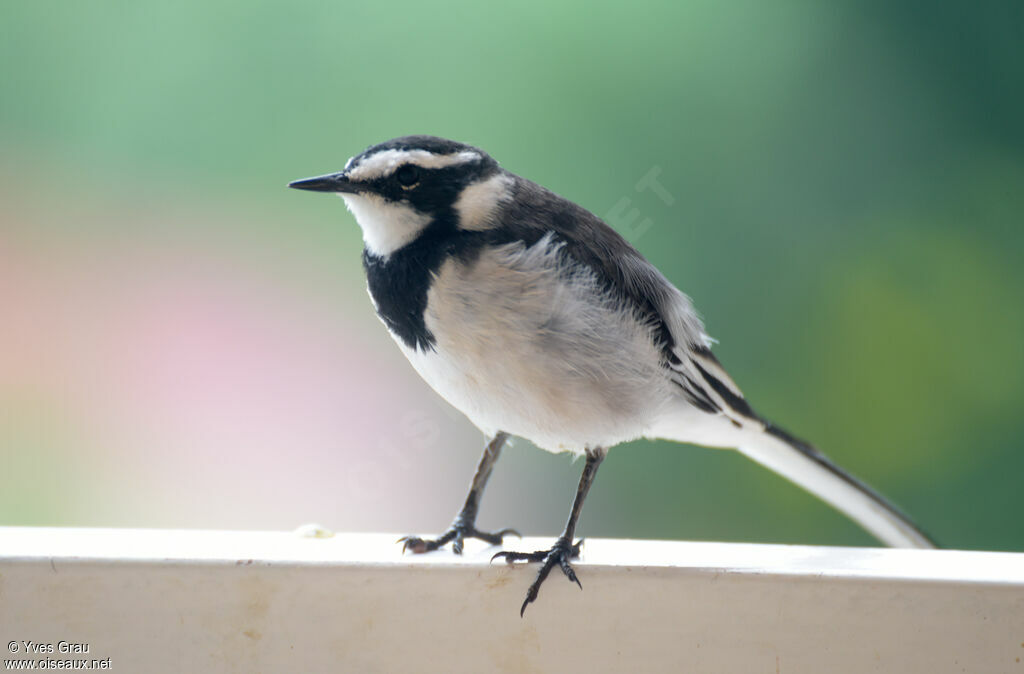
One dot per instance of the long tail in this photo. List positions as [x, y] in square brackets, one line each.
[711, 390]
[804, 465]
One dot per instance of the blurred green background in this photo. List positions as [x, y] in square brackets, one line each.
[185, 342]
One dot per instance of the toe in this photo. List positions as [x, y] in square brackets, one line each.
[412, 544]
[569, 572]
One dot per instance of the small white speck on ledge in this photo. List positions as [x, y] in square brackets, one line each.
[313, 530]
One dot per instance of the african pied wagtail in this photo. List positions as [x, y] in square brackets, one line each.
[536, 319]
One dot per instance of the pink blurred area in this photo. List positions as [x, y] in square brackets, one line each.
[195, 369]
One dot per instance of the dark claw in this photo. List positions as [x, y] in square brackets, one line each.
[559, 554]
[416, 545]
[569, 572]
[457, 534]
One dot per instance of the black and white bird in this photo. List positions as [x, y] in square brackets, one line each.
[536, 319]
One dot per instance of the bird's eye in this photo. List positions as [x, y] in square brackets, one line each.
[408, 175]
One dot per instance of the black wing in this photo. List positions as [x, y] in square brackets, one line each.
[626, 274]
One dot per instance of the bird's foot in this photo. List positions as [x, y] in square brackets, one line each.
[559, 555]
[458, 532]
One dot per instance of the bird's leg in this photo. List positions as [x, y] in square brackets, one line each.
[464, 525]
[564, 549]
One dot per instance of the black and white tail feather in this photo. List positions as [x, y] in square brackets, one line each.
[804, 465]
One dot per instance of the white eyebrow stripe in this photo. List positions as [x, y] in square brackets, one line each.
[383, 163]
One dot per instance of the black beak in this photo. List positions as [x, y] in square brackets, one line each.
[332, 182]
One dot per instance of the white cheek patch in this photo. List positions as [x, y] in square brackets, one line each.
[384, 162]
[387, 225]
[479, 201]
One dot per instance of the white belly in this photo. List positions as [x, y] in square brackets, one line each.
[523, 349]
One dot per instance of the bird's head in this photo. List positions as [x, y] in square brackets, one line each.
[399, 188]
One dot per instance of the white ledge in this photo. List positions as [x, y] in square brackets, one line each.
[170, 600]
